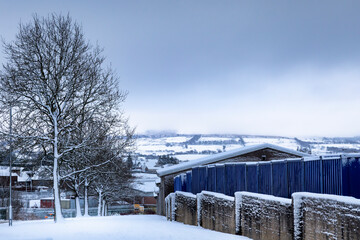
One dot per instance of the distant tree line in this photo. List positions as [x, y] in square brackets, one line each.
[167, 159]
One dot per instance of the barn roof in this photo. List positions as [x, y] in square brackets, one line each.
[225, 155]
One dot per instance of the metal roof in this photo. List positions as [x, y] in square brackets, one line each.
[225, 155]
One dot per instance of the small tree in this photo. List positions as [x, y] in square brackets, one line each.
[129, 162]
[55, 82]
[112, 183]
[167, 159]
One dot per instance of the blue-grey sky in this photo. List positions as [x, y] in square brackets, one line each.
[249, 67]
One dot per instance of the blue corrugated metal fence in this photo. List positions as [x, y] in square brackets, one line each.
[338, 175]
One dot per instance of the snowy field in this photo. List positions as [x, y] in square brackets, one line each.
[176, 145]
[139, 227]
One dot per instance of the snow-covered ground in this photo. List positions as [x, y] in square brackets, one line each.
[139, 227]
[178, 146]
[283, 142]
[189, 157]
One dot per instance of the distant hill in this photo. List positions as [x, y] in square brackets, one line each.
[191, 146]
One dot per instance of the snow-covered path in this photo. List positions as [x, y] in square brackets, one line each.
[139, 227]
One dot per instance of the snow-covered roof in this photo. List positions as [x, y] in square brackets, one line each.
[145, 182]
[225, 155]
[6, 173]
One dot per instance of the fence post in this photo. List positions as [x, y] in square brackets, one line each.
[271, 179]
[321, 175]
[342, 158]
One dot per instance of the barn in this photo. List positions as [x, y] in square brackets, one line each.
[255, 153]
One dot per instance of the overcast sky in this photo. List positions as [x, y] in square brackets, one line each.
[286, 68]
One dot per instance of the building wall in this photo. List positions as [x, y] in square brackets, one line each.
[267, 154]
[5, 180]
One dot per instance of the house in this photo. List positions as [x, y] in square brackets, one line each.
[255, 153]
[5, 177]
[144, 190]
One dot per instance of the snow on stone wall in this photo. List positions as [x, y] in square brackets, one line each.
[322, 216]
[186, 208]
[216, 212]
[198, 208]
[170, 207]
[260, 216]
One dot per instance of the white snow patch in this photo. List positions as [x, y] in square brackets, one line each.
[145, 182]
[219, 195]
[34, 203]
[343, 199]
[238, 205]
[283, 201]
[133, 227]
[186, 194]
[198, 207]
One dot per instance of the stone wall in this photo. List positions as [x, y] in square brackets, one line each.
[186, 208]
[307, 216]
[321, 216]
[170, 207]
[216, 212]
[181, 207]
[265, 217]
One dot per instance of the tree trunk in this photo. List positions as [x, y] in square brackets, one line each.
[78, 208]
[57, 204]
[103, 207]
[99, 203]
[86, 203]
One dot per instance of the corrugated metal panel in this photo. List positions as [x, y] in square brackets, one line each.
[332, 180]
[203, 178]
[195, 180]
[252, 178]
[220, 178]
[351, 176]
[313, 176]
[331, 175]
[188, 181]
[279, 179]
[211, 182]
[183, 182]
[176, 184]
[295, 176]
[230, 181]
[265, 178]
[240, 175]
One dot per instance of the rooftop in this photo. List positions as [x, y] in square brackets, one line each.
[225, 155]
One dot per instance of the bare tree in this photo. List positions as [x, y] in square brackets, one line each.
[112, 181]
[57, 82]
[106, 150]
